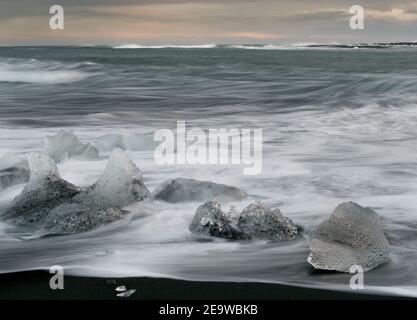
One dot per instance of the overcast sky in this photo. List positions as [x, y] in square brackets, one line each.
[205, 21]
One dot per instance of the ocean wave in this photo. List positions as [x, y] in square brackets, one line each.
[334, 45]
[39, 72]
[328, 156]
[293, 46]
[137, 46]
[270, 47]
[42, 77]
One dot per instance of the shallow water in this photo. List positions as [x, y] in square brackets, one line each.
[338, 125]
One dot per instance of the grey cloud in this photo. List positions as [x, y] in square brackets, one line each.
[24, 8]
[300, 19]
[325, 15]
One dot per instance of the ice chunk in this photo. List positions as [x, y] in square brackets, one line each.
[139, 141]
[260, 222]
[255, 222]
[109, 142]
[210, 220]
[65, 145]
[44, 191]
[351, 236]
[120, 185]
[12, 160]
[41, 166]
[74, 218]
[180, 189]
[128, 141]
[121, 288]
[13, 170]
[233, 216]
[63, 209]
[126, 294]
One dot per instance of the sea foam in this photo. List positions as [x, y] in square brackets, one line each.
[138, 46]
[39, 72]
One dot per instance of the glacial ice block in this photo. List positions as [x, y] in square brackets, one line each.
[351, 236]
[178, 190]
[120, 185]
[109, 142]
[59, 207]
[257, 221]
[74, 218]
[41, 166]
[13, 170]
[210, 220]
[65, 145]
[127, 141]
[44, 191]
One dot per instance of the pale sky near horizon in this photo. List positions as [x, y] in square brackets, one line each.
[205, 21]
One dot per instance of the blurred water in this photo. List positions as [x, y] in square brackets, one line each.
[338, 125]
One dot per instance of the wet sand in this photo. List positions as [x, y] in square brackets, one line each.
[35, 286]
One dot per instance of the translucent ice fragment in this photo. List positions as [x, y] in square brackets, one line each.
[65, 145]
[126, 294]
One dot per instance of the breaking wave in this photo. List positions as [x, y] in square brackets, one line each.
[267, 47]
[39, 72]
[296, 46]
[137, 46]
[293, 46]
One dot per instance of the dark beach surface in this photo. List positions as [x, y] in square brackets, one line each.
[35, 286]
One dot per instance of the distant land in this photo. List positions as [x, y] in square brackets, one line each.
[366, 45]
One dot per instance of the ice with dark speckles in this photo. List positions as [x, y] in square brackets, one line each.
[179, 190]
[352, 236]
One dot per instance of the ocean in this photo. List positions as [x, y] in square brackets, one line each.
[339, 124]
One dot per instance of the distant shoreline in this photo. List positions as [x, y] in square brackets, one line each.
[267, 46]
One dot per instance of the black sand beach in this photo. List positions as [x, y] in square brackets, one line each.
[35, 286]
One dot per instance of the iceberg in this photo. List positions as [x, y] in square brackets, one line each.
[44, 191]
[59, 207]
[210, 220]
[65, 145]
[128, 141]
[120, 185]
[352, 236]
[109, 142]
[14, 170]
[257, 221]
[178, 190]
[74, 218]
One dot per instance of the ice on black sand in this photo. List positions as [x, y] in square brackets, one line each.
[179, 190]
[256, 221]
[352, 236]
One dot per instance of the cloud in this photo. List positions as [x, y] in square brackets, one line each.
[319, 15]
[255, 35]
[393, 15]
[204, 21]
